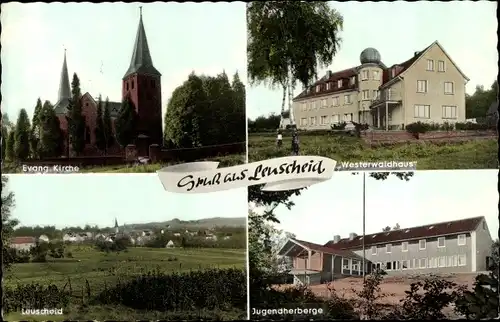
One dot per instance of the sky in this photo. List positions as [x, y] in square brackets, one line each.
[96, 199]
[467, 30]
[335, 207]
[203, 37]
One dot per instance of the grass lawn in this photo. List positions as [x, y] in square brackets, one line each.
[474, 154]
[225, 161]
[105, 269]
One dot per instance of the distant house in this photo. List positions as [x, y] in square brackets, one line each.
[170, 244]
[227, 237]
[177, 234]
[99, 237]
[211, 237]
[69, 237]
[23, 243]
[43, 238]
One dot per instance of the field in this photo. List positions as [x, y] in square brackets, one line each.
[225, 161]
[474, 154]
[103, 270]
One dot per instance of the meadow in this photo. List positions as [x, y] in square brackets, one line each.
[98, 282]
[474, 154]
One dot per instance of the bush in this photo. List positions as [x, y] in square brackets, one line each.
[39, 258]
[482, 301]
[33, 296]
[339, 126]
[469, 126]
[211, 289]
[418, 128]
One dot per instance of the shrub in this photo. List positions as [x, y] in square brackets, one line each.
[418, 128]
[339, 126]
[428, 305]
[39, 258]
[469, 126]
[33, 296]
[210, 289]
[482, 301]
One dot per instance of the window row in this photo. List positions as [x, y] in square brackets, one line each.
[365, 75]
[323, 103]
[325, 119]
[423, 87]
[422, 263]
[422, 244]
[424, 111]
[440, 65]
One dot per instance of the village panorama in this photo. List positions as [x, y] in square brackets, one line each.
[83, 270]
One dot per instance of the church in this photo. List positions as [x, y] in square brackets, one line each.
[141, 84]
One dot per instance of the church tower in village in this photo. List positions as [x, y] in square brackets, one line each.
[142, 86]
[117, 229]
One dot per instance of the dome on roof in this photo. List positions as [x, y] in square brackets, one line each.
[369, 55]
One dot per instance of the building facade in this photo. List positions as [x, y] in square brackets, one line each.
[141, 85]
[429, 87]
[23, 243]
[461, 246]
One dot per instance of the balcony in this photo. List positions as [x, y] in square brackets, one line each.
[387, 95]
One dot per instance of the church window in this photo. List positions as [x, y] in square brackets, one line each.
[153, 83]
[132, 84]
[127, 85]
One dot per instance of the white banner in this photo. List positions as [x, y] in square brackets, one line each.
[278, 174]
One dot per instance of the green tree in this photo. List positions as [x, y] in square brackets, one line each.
[22, 136]
[126, 123]
[185, 111]
[238, 115]
[9, 149]
[107, 127]
[51, 137]
[477, 104]
[264, 123]
[76, 119]
[8, 223]
[35, 129]
[288, 41]
[100, 140]
[7, 127]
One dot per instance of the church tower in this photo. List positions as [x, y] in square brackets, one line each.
[117, 229]
[142, 86]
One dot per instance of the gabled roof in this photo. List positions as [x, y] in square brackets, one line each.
[334, 77]
[427, 231]
[114, 107]
[141, 61]
[23, 240]
[324, 249]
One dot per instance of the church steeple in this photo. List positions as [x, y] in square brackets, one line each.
[64, 88]
[141, 61]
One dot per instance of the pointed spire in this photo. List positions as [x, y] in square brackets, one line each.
[141, 61]
[64, 88]
[116, 223]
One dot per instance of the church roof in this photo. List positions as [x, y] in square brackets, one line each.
[64, 94]
[141, 61]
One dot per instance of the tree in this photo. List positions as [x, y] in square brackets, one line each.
[477, 104]
[288, 41]
[238, 115]
[264, 123]
[100, 139]
[185, 111]
[396, 227]
[126, 123]
[107, 127]
[35, 129]
[9, 149]
[51, 138]
[387, 228]
[8, 223]
[22, 136]
[76, 119]
[6, 129]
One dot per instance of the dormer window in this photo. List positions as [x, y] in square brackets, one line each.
[353, 80]
[327, 86]
[339, 83]
[393, 72]
[318, 88]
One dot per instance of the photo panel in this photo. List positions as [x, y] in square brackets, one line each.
[116, 87]
[370, 245]
[119, 247]
[332, 86]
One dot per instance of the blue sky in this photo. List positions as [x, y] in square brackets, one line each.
[335, 207]
[466, 30]
[96, 199]
[201, 37]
